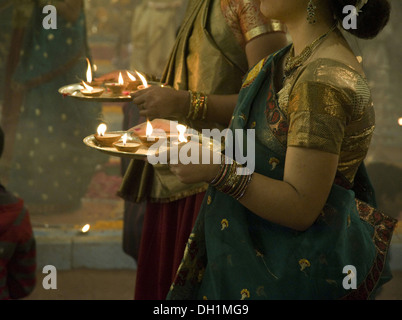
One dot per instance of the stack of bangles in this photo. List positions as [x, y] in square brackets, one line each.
[229, 181]
[198, 106]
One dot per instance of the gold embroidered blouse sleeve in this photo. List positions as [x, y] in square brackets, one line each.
[246, 20]
[317, 115]
[330, 109]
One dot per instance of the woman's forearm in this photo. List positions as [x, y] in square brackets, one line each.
[221, 107]
[277, 201]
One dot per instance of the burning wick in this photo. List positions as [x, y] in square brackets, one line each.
[149, 138]
[126, 146]
[182, 129]
[89, 90]
[101, 129]
[124, 138]
[116, 88]
[89, 72]
[121, 81]
[131, 77]
[149, 129]
[181, 138]
[106, 139]
[143, 80]
[133, 83]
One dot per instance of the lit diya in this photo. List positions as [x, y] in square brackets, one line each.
[133, 83]
[182, 137]
[106, 139]
[116, 87]
[126, 146]
[89, 89]
[144, 82]
[151, 136]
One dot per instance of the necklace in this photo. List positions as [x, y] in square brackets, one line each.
[292, 63]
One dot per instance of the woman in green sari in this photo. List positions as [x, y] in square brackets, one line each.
[303, 225]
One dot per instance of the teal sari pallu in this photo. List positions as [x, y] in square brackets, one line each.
[233, 254]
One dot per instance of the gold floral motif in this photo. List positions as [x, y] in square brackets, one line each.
[273, 162]
[304, 263]
[258, 253]
[348, 221]
[260, 291]
[224, 224]
[209, 200]
[200, 274]
[204, 298]
[331, 282]
[244, 294]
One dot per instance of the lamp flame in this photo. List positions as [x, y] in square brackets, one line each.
[131, 77]
[400, 121]
[101, 129]
[89, 72]
[87, 87]
[149, 129]
[182, 129]
[144, 81]
[121, 81]
[85, 228]
[124, 138]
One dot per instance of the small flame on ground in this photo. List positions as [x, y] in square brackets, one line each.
[85, 228]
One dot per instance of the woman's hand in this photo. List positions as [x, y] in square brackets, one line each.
[161, 102]
[113, 76]
[192, 172]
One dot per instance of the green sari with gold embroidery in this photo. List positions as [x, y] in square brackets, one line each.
[232, 254]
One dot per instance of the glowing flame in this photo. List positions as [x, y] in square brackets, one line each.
[131, 77]
[87, 87]
[149, 130]
[89, 72]
[144, 81]
[124, 138]
[85, 228]
[182, 130]
[101, 129]
[121, 81]
[400, 121]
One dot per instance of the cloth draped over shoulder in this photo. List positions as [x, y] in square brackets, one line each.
[234, 254]
[205, 43]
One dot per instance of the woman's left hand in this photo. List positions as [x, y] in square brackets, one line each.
[192, 172]
[161, 102]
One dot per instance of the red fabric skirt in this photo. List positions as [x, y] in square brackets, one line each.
[165, 232]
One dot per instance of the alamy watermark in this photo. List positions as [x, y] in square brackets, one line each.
[50, 21]
[350, 281]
